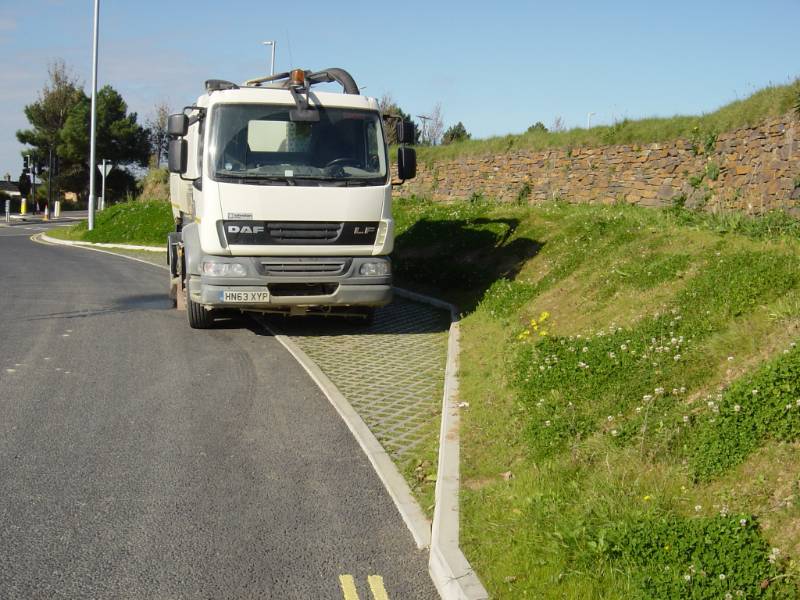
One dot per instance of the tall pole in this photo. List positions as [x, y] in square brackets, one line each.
[272, 61]
[31, 159]
[93, 132]
[589, 120]
[50, 178]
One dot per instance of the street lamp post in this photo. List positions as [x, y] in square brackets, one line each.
[93, 128]
[272, 61]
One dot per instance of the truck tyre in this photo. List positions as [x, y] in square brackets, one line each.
[199, 317]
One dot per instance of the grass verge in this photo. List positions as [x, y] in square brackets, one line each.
[772, 101]
[614, 446]
[140, 223]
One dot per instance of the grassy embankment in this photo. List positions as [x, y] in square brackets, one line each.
[633, 391]
[772, 101]
[143, 223]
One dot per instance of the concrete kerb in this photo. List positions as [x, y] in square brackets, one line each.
[450, 570]
[51, 240]
[43, 238]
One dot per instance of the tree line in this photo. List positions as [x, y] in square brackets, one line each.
[430, 129]
[60, 123]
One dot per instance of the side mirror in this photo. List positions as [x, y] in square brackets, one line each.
[406, 163]
[404, 132]
[178, 156]
[177, 125]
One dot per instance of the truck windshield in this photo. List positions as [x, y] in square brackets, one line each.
[253, 143]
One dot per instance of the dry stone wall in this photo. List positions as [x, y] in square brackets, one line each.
[753, 169]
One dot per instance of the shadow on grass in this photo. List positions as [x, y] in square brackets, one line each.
[460, 259]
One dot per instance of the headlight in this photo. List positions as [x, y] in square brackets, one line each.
[220, 269]
[374, 269]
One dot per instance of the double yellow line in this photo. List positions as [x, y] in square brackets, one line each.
[375, 582]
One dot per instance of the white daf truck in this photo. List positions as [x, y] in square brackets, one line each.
[282, 197]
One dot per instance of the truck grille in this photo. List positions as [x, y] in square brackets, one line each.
[302, 289]
[309, 233]
[300, 267]
[303, 233]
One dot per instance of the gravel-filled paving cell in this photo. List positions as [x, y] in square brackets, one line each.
[392, 372]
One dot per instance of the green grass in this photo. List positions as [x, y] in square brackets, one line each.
[139, 223]
[604, 353]
[701, 130]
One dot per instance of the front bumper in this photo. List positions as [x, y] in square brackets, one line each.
[293, 283]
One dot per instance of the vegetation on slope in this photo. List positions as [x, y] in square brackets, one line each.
[772, 101]
[145, 223]
[633, 395]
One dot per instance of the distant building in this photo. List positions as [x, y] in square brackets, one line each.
[10, 187]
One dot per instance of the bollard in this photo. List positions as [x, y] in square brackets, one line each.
[23, 205]
[8, 211]
[46, 213]
[57, 209]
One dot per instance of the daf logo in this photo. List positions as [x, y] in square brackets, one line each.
[363, 230]
[245, 229]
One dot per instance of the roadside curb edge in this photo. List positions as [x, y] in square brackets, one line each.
[450, 570]
[52, 240]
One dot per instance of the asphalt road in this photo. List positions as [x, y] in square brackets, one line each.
[142, 459]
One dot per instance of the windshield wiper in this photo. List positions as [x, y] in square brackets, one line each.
[256, 179]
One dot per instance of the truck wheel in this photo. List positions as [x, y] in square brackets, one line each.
[199, 317]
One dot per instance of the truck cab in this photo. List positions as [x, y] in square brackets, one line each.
[282, 198]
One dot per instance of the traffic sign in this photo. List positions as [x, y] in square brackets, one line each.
[104, 168]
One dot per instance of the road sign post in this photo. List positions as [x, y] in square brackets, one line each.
[105, 167]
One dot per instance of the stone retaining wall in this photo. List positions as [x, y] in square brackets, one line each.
[754, 169]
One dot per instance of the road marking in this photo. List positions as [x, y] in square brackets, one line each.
[348, 587]
[376, 587]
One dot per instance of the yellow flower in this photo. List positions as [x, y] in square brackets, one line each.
[647, 498]
[535, 327]
[543, 333]
[544, 316]
[533, 321]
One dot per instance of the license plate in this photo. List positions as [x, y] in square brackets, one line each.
[244, 297]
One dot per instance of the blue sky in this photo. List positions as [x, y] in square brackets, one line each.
[496, 66]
